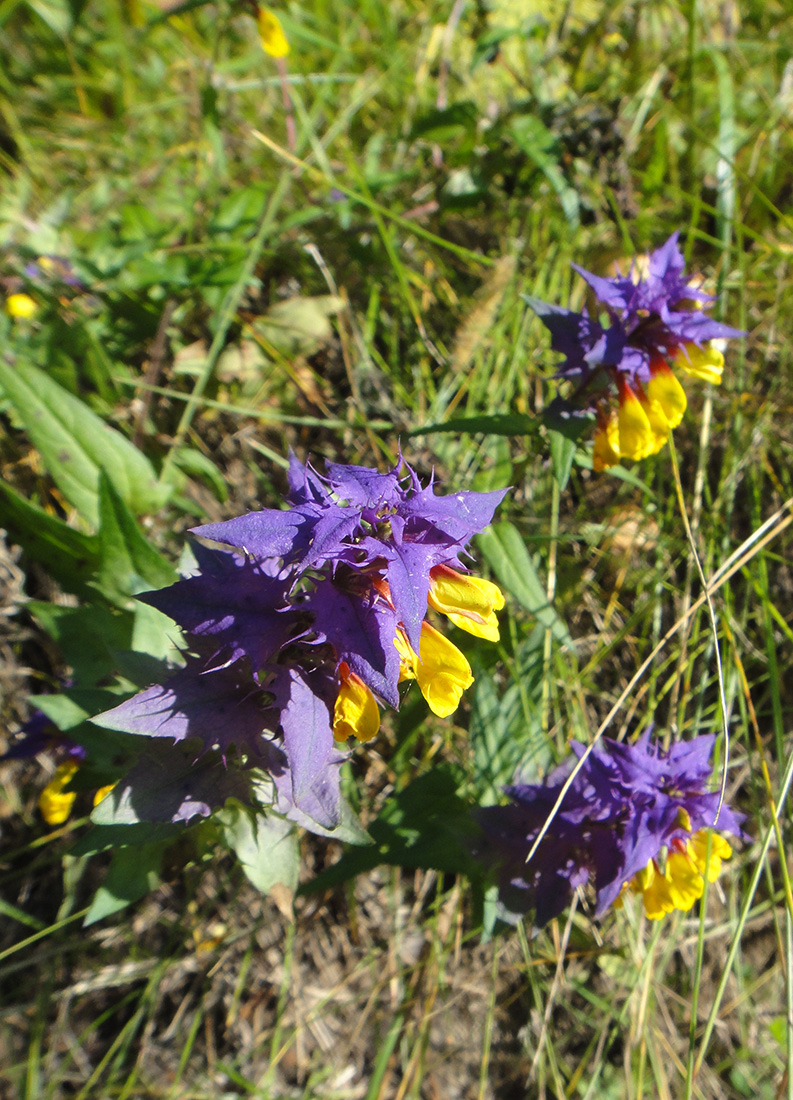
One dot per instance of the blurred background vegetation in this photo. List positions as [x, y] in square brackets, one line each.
[230, 256]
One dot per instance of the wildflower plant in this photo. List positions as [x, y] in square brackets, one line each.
[298, 632]
[621, 363]
[636, 817]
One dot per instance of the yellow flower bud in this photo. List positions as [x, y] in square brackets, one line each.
[441, 670]
[636, 437]
[54, 802]
[21, 307]
[665, 390]
[356, 713]
[271, 34]
[606, 451]
[719, 850]
[706, 362]
[103, 792]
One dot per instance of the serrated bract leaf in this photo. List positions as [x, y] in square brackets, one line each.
[167, 783]
[233, 602]
[362, 634]
[221, 708]
[305, 704]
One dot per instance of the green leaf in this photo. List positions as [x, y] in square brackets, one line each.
[129, 563]
[506, 553]
[76, 444]
[196, 464]
[505, 732]
[445, 124]
[133, 873]
[103, 838]
[299, 326]
[267, 847]
[69, 556]
[496, 424]
[562, 454]
[537, 141]
[86, 636]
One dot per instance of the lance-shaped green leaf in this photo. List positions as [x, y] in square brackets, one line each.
[69, 556]
[76, 444]
[130, 563]
[509, 559]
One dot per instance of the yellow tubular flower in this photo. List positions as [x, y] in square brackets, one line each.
[665, 390]
[271, 34]
[606, 451]
[636, 437]
[470, 602]
[719, 850]
[683, 879]
[21, 307]
[356, 713]
[706, 363]
[441, 670]
[54, 802]
[685, 882]
[659, 425]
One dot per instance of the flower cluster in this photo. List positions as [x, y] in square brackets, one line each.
[299, 631]
[655, 321]
[635, 818]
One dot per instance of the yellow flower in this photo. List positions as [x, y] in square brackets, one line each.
[706, 362]
[356, 713]
[719, 850]
[271, 34]
[606, 451]
[683, 878]
[441, 670]
[54, 802]
[103, 792]
[665, 391]
[470, 602]
[636, 436]
[21, 307]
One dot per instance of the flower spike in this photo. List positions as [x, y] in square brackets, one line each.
[651, 320]
[306, 623]
[636, 818]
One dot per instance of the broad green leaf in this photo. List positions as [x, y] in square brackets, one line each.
[267, 847]
[76, 444]
[69, 556]
[505, 731]
[299, 326]
[537, 142]
[506, 553]
[445, 124]
[133, 873]
[129, 563]
[196, 464]
[562, 454]
[86, 636]
[103, 838]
